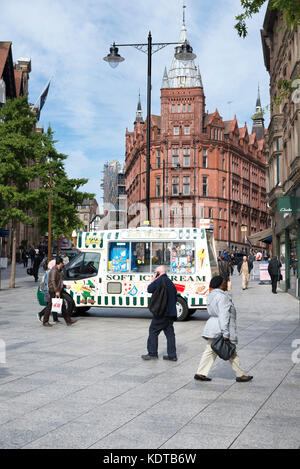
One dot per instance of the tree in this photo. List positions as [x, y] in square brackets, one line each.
[63, 192]
[290, 10]
[20, 150]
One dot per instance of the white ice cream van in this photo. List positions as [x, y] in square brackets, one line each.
[114, 268]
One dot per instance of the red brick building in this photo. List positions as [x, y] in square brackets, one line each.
[201, 166]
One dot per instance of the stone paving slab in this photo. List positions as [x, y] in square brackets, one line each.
[87, 387]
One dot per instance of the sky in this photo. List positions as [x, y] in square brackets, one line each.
[90, 105]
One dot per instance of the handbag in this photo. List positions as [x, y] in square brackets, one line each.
[30, 271]
[56, 305]
[223, 348]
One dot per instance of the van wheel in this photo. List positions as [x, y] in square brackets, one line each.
[182, 309]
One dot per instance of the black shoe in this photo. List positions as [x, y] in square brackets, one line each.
[149, 357]
[244, 379]
[201, 378]
[172, 359]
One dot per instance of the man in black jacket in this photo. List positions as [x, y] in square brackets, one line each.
[165, 323]
[274, 272]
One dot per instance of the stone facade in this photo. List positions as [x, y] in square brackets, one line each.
[281, 48]
[201, 166]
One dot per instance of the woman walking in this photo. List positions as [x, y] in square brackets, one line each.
[222, 321]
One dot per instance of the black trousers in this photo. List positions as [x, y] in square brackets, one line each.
[157, 325]
[274, 280]
[46, 311]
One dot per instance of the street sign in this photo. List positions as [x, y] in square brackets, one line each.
[4, 233]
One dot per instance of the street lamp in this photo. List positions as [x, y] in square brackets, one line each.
[184, 52]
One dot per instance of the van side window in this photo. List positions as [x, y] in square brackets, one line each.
[118, 257]
[161, 255]
[140, 257]
[85, 265]
[183, 258]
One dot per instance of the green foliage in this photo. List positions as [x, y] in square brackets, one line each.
[19, 153]
[27, 158]
[290, 10]
[63, 192]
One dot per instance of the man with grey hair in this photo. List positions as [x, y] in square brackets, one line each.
[244, 268]
[165, 322]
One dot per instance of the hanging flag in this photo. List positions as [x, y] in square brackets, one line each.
[41, 100]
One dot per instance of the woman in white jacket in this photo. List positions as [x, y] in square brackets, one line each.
[222, 321]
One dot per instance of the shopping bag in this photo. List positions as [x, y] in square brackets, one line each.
[56, 305]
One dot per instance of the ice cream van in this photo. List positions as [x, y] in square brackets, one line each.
[114, 268]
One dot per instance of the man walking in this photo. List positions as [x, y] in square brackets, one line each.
[164, 323]
[56, 290]
[36, 264]
[244, 269]
[274, 272]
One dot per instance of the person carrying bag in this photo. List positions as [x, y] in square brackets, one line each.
[220, 332]
[56, 291]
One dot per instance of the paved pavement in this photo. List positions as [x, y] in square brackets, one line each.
[86, 386]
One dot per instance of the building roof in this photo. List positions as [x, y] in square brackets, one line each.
[182, 74]
[4, 51]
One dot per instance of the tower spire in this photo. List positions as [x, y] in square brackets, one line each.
[183, 13]
[139, 113]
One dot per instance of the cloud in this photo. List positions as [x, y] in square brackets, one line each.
[89, 104]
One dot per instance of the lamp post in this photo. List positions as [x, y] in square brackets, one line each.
[184, 52]
[50, 217]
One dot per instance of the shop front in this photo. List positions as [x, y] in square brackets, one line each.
[287, 228]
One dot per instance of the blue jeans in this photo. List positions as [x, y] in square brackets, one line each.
[157, 325]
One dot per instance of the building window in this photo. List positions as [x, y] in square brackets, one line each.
[158, 162]
[224, 188]
[186, 157]
[190, 108]
[210, 213]
[158, 192]
[278, 169]
[277, 144]
[186, 185]
[175, 185]
[176, 130]
[204, 186]
[178, 108]
[223, 162]
[175, 157]
[204, 158]
[187, 130]
[173, 108]
[184, 108]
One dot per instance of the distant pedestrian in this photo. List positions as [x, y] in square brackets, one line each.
[25, 257]
[274, 272]
[36, 264]
[222, 321]
[31, 253]
[244, 269]
[45, 288]
[56, 290]
[165, 323]
[224, 269]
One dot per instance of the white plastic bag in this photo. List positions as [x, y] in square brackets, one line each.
[56, 305]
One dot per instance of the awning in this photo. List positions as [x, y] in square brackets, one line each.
[264, 236]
